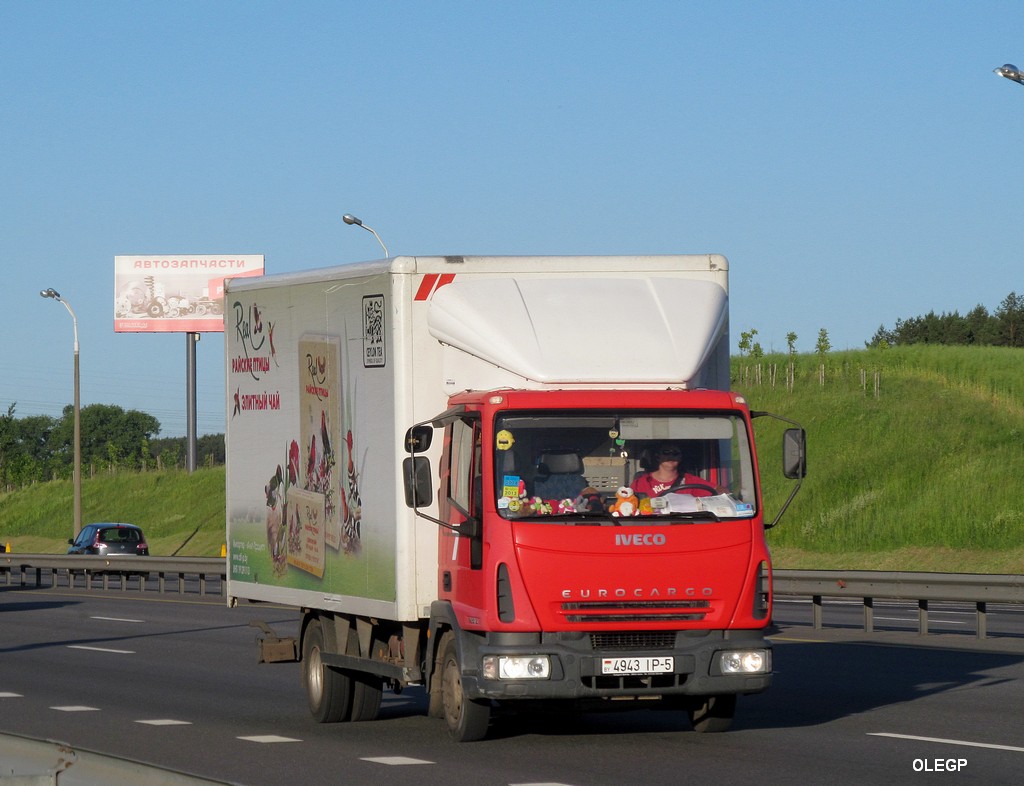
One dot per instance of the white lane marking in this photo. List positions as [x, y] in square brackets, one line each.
[396, 760]
[100, 649]
[948, 742]
[265, 738]
[75, 708]
[165, 722]
[115, 619]
[11, 696]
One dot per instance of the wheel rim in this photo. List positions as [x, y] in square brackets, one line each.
[315, 676]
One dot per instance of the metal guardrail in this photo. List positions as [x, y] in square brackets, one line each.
[867, 586]
[183, 575]
[208, 576]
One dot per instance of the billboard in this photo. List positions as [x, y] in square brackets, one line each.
[166, 293]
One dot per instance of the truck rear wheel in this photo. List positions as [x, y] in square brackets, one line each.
[467, 720]
[715, 714]
[328, 690]
[367, 691]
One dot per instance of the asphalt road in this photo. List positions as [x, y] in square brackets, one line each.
[175, 682]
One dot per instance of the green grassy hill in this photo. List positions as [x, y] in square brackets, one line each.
[181, 513]
[922, 475]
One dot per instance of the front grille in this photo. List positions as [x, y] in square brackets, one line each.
[633, 641]
[640, 611]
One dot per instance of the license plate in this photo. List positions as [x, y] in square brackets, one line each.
[637, 665]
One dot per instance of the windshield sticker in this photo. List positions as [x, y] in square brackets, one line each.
[513, 486]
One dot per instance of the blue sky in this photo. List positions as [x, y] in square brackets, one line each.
[856, 162]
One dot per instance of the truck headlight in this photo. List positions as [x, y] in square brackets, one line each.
[517, 667]
[744, 662]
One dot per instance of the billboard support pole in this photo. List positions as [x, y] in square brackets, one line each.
[191, 339]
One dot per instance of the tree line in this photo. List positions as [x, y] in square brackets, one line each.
[1003, 328]
[749, 347]
[41, 448]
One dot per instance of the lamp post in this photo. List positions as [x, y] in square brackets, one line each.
[1011, 72]
[351, 220]
[77, 470]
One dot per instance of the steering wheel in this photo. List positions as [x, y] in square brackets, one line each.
[680, 486]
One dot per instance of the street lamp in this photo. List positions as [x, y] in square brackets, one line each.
[77, 471]
[350, 219]
[1011, 72]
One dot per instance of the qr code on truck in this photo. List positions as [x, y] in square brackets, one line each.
[373, 331]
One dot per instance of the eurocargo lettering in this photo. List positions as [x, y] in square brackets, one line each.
[504, 479]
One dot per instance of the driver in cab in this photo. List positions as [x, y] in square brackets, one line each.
[667, 476]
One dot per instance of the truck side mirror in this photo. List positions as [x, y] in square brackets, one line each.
[417, 439]
[794, 453]
[416, 477]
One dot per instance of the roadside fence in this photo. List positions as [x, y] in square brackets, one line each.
[207, 576]
[182, 575]
[868, 586]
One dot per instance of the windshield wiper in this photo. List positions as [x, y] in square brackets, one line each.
[694, 515]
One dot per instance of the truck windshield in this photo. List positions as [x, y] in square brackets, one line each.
[598, 466]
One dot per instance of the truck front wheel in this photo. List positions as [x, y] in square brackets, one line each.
[467, 720]
[328, 690]
[715, 714]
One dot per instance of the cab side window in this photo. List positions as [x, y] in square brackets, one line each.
[463, 482]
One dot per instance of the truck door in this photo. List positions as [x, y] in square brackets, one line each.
[460, 549]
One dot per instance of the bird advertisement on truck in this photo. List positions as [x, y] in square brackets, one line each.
[465, 477]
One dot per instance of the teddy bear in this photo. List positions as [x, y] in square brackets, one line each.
[626, 502]
[566, 506]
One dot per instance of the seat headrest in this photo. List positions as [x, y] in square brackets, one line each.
[562, 462]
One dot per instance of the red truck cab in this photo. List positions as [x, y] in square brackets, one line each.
[557, 580]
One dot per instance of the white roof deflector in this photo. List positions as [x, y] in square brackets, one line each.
[568, 330]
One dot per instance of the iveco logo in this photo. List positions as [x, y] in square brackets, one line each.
[640, 540]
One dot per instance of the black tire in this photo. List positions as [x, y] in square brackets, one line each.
[367, 691]
[328, 690]
[714, 715]
[467, 720]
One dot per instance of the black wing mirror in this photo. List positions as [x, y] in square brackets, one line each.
[794, 453]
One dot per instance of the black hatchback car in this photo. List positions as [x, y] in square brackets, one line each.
[108, 539]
